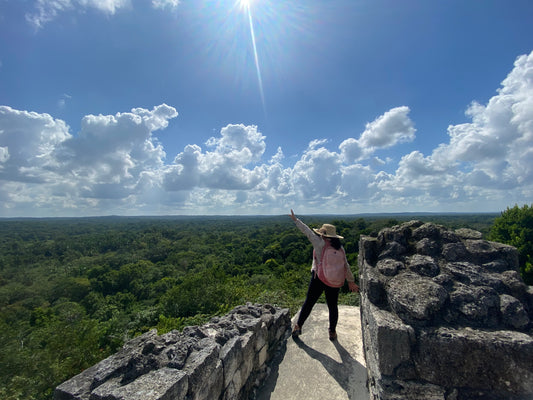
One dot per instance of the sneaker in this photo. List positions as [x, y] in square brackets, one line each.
[296, 331]
[332, 335]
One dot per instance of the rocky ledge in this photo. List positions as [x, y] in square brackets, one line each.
[226, 358]
[445, 315]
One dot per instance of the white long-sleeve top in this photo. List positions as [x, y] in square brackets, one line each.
[318, 243]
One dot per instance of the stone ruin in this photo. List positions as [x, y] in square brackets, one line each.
[445, 315]
[227, 358]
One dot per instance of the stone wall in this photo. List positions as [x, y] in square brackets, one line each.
[226, 358]
[445, 315]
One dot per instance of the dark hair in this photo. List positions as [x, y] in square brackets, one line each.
[335, 243]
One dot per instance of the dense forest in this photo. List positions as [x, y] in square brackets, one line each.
[72, 290]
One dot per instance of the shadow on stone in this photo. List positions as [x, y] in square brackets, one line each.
[340, 371]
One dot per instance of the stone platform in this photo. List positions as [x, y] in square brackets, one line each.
[313, 367]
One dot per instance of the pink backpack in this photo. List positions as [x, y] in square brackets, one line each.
[330, 267]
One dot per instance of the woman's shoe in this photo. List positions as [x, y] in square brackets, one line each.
[332, 335]
[296, 331]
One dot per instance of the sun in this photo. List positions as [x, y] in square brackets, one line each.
[245, 4]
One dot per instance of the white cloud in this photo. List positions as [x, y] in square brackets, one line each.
[4, 155]
[387, 130]
[29, 140]
[163, 4]
[115, 164]
[48, 10]
[486, 161]
[223, 168]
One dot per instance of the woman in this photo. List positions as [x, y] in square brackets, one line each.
[321, 238]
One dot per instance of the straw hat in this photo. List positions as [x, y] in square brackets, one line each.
[328, 230]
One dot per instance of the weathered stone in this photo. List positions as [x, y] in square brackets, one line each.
[476, 359]
[368, 250]
[392, 250]
[483, 252]
[513, 313]
[428, 247]
[399, 234]
[423, 265]
[471, 274]
[415, 299]
[388, 338]
[162, 384]
[455, 251]
[396, 389]
[389, 267]
[232, 357]
[427, 231]
[475, 305]
[201, 364]
[465, 233]
[223, 359]
[373, 286]
[464, 309]
[514, 284]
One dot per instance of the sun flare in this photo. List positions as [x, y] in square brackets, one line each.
[245, 4]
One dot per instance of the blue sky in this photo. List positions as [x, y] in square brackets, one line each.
[141, 107]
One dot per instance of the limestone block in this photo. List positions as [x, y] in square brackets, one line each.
[455, 251]
[423, 265]
[368, 248]
[483, 251]
[389, 340]
[389, 267]
[478, 359]
[513, 313]
[232, 358]
[471, 274]
[453, 324]
[466, 233]
[212, 385]
[475, 305]
[415, 299]
[201, 364]
[392, 250]
[162, 384]
[372, 285]
[395, 389]
[428, 247]
[78, 387]
[261, 357]
[248, 350]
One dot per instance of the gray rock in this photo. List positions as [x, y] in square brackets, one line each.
[475, 305]
[415, 299]
[225, 358]
[389, 267]
[513, 313]
[423, 265]
[465, 233]
[455, 252]
[452, 323]
[476, 359]
[428, 247]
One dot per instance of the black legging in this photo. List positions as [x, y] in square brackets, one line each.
[316, 287]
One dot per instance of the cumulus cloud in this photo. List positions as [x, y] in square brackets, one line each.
[115, 164]
[487, 160]
[387, 130]
[223, 168]
[28, 140]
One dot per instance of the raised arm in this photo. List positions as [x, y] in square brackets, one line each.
[315, 239]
